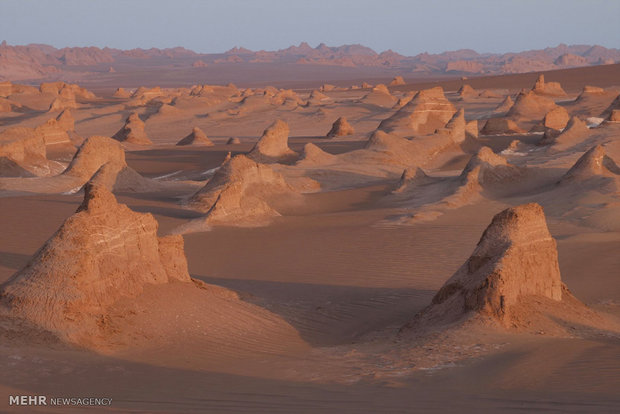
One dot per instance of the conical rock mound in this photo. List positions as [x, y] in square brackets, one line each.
[317, 98]
[313, 155]
[505, 105]
[492, 168]
[594, 163]
[456, 126]
[273, 144]
[102, 253]
[65, 120]
[133, 131]
[412, 177]
[500, 126]
[196, 137]
[340, 127]
[467, 92]
[515, 258]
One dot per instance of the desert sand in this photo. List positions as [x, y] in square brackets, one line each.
[431, 246]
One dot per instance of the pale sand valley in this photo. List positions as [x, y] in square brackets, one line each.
[445, 243]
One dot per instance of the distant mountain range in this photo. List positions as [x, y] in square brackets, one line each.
[39, 61]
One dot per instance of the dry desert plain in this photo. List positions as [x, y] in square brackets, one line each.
[445, 246]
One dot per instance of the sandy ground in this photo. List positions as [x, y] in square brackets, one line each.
[339, 272]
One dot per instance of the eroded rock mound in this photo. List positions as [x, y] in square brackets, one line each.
[317, 98]
[614, 116]
[398, 80]
[22, 153]
[313, 155]
[557, 118]
[575, 132]
[467, 92]
[196, 137]
[490, 168]
[380, 96]
[594, 163]
[66, 121]
[101, 160]
[456, 126]
[500, 126]
[505, 106]
[531, 106]
[121, 93]
[515, 258]
[133, 131]
[239, 194]
[428, 111]
[273, 144]
[547, 88]
[94, 153]
[102, 253]
[340, 128]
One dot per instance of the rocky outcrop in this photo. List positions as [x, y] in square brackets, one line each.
[516, 258]
[102, 253]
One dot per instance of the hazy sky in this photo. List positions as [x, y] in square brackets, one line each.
[406, 26]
